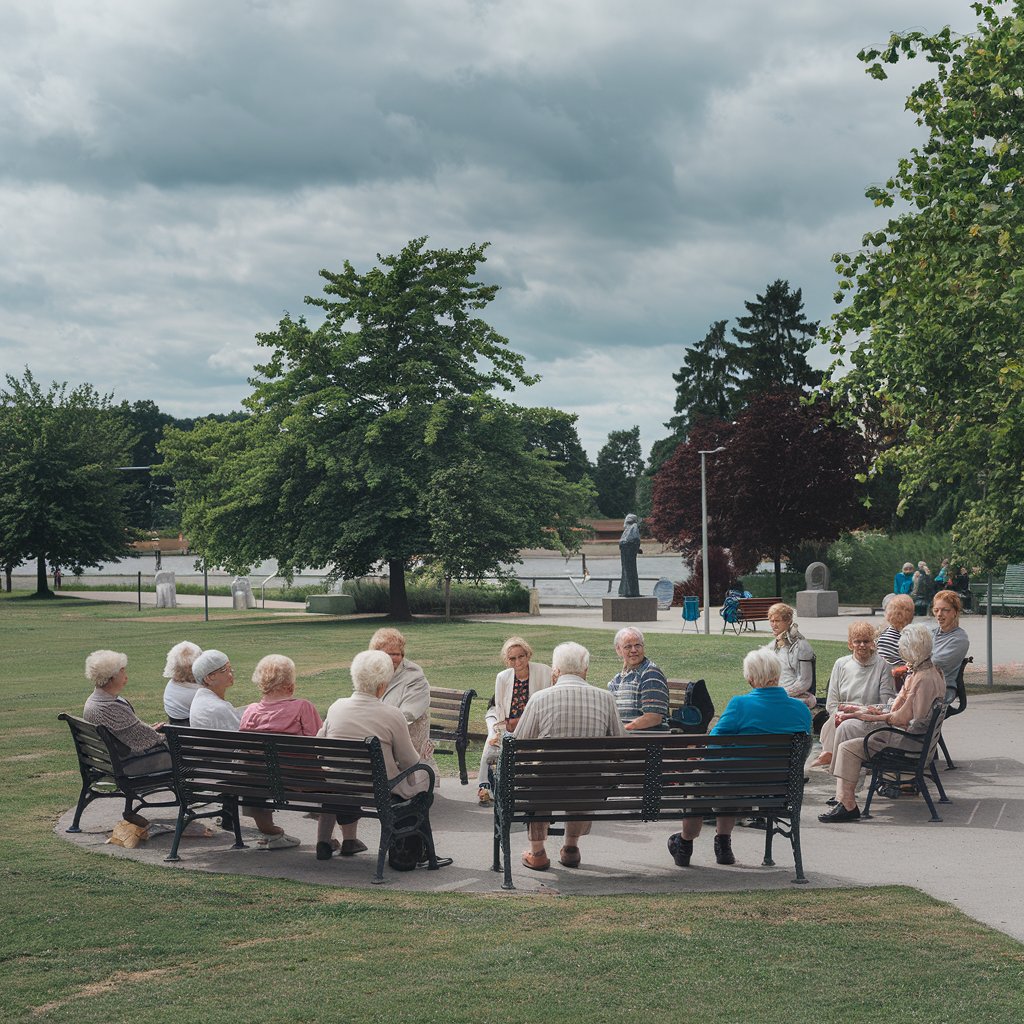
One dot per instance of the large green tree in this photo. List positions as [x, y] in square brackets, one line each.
[931, 329]
[619, 464]
[62, 489]
[359, 424]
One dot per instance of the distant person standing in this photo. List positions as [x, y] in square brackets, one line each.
[56, 577]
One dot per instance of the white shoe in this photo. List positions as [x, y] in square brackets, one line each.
[281, 842]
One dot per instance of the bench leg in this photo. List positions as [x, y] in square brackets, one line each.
[83, 802]
[945, 753]
[506, 849]
[798, 860]
[769, 836]
[385, 842]
[943, 799]
[496, 862]
[460, 749]
[183, 819]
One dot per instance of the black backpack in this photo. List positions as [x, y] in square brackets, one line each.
[697, 709]
[405, 852]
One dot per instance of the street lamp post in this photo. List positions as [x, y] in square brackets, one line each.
[704, 534]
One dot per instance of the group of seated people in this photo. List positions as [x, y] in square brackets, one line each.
[889, 679]
[922, 586]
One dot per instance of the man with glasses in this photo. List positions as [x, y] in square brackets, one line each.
[640, 689]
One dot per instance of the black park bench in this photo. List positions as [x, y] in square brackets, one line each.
[663, 776]
[294, 773]
[104, 776]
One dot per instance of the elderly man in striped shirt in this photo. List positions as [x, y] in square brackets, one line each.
[569, 709]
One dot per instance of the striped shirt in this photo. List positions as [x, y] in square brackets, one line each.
[640, 691]
[889, 646]
[571, 709]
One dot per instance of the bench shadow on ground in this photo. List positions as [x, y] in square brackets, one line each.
[973, 788]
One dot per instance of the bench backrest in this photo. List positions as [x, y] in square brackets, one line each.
[449, 712]
[300, 771]
[1013, 580]
[756, 607]
[94, 759]
[618, 778]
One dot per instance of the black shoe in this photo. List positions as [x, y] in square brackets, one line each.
[324, 851]
[723, 850]
[442, 862]
[681, 849]
[840, 813]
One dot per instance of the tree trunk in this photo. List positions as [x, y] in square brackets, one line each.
[42, 587]
[447, 599]
[8, 569]
[778, 574]
[396, 591]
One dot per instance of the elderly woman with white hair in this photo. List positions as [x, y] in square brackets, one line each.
[794, 653]
[408, 690]
[365, 714]
[910, 712]
[143, 748]
[766, 709]
[181, 685]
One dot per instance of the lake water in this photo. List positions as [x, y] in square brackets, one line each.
[553, 576]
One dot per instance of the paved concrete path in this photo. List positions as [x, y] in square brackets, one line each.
[971, 859]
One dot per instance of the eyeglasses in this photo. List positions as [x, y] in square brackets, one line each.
[863, 643]
[632, 647]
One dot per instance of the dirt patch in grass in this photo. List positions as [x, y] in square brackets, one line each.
[99, 988]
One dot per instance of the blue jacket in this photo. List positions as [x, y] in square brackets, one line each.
[767, 709]
[902, 584]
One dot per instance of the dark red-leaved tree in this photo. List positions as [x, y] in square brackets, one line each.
[788, 473]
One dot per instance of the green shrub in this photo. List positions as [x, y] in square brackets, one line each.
[428, 598]
[762, 584]
[863, 564]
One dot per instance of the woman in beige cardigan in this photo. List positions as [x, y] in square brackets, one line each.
[910, 712]
[513, 687]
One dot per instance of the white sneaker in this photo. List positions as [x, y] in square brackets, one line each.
[281, 842]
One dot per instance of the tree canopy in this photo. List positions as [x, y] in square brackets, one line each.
[788, 473]
[362, 425]
[931, 328]
[62, 492]
[619, 463]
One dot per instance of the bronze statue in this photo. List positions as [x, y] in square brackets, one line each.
[629, 548]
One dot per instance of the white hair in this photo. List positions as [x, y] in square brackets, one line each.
[274, 672]
[915, 644]
[761, 668]
[102, 666]
[369, 670]
[627, 631]
[570, 658]
[179, 662]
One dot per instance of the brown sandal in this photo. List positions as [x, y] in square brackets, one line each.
[536, 861]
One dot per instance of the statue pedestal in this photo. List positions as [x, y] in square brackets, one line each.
[630, 609]
[817, 604]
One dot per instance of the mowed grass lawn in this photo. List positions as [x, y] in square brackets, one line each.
[88, 938]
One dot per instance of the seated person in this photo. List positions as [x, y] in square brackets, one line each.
[409, 691]
[211, 710]
[950, 642]
[910, 711]
[766, 709]
[143, 749]
[280, 711]
[361, 715]
[861, 678]
[903, 582]
[899, 613]
[513, 687]
[181, 685]
[961, 585]
[640, 689]
[795, 655]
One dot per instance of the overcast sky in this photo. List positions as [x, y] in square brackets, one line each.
[173, 175]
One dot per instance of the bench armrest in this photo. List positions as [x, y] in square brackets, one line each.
[918, 737]
[408, 771]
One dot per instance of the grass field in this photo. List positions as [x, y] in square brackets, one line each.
[89, 938]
